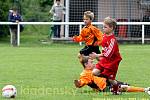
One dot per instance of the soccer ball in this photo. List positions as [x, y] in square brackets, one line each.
[9, 91]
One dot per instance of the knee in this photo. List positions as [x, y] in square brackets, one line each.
[79, 55]
[96, 72]
[113, 82]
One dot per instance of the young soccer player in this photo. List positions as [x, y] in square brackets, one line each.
[99, 83]
[87, 78]
[110, 57]
[90, 34]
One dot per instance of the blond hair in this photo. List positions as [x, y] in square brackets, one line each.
[89, 14]
[110, 22]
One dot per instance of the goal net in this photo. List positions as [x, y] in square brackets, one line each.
[127, 11]
[121, 10]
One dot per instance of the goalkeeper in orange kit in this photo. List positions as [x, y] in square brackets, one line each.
[100, 83]
[90, 34]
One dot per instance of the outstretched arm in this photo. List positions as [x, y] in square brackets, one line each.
[81, 82]
[93, 55]
[77, 38]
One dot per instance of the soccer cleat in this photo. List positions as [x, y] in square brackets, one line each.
[115, 89]
[147, 90]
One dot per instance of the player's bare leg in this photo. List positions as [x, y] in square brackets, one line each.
[96, 72]
[80, 57]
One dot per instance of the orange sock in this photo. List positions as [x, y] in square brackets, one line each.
[135, 89]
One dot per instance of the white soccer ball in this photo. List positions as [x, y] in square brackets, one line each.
[9, 91]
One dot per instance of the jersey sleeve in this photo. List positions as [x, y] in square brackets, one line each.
[85, 79]
[79, 38]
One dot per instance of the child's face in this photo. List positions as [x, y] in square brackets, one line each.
[14, 12]
[86, 20]
[89, 64]
[58, 2]
[107, 29]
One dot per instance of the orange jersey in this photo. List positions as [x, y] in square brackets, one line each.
[91, 35]
[87, 78]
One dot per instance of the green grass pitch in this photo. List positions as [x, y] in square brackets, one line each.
[47, 72]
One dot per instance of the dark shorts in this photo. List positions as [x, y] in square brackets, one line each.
[89, 49]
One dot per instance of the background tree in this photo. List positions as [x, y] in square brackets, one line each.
[31, 10]
[4, 7]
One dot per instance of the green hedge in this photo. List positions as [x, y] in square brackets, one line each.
[31, 10]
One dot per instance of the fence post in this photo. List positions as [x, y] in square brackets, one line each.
[10, 35]
[18, 34]
[142, 33]
[67, 19]
[80, 28]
